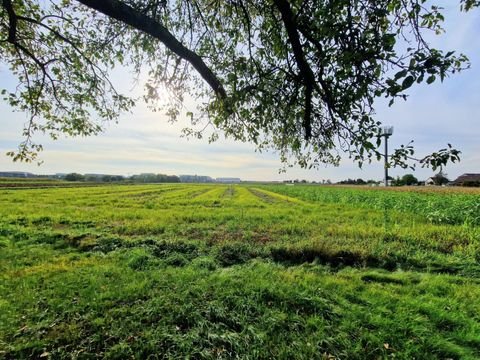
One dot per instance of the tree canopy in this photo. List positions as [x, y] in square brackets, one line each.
[297, 76]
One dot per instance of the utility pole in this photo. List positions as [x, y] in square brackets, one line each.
[387, 131]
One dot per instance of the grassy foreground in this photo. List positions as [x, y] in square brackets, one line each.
[222, 272]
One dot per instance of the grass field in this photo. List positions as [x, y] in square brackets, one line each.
[248, 272]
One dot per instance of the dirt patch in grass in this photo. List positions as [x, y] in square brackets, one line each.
[263, 196]
[197, 193]
[222, 235]
[229, 192]
[149, 193]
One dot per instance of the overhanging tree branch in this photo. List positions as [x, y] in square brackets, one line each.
[12, 21]
[128, 15]
[305, 71]
[301, 77]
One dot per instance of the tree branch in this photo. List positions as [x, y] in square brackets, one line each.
[128, 15]
[12, 21]
[305, 71]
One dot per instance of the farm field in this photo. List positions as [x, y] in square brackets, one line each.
[244, 271]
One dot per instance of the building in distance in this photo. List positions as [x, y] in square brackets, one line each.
[228, 180]
[195, 179]
[16, 174]
[467, 180]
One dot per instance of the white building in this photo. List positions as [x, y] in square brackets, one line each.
[228, 180]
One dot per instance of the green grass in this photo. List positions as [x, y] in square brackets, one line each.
[221, 272]
[437, 205]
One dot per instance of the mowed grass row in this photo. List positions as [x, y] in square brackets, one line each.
[211, 271]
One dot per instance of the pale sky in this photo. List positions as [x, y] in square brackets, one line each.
[142, 141]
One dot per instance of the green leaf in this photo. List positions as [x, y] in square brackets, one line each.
[400, 74]
[407, 82]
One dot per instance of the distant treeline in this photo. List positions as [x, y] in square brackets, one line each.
[141, 178]
[357, 182]
[155, 178]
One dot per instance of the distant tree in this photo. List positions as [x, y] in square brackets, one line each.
[155, 178]
[409, 179]
[440, 178]
[173, 179]
[112, 178]
[396, 181]
[91, 178]
[74, 177]
[352, 182]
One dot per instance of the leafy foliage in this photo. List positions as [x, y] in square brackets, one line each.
[409, 179]
[300, 77]
[61, 63]
[74, 177]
